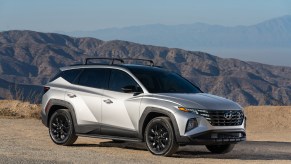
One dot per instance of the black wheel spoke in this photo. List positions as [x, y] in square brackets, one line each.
[152, 131]
[163, 145]
[158, 137]
[63, 136]
[66, 128]
[156, 129]
[60, 128]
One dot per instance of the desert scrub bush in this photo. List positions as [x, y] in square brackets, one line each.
[18, 93]
[18, 109]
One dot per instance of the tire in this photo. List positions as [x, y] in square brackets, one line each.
[160, 138]
[61, 128]
[220, 149]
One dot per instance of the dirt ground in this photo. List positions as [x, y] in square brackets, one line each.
[27, 141]
[269, 123]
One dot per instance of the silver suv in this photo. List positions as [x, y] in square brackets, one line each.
[131, 102]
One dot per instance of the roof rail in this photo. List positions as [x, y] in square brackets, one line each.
[118, 59]
[112, 60]
[146, 60]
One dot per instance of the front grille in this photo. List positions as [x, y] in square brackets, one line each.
[223, 117]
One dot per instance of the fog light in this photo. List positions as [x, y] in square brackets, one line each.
[191, 124]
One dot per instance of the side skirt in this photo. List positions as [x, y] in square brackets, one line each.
[110, 137]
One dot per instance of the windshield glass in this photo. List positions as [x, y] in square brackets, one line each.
[157, 80]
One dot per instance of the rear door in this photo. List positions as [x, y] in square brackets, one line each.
[86, 97]
[120, 110]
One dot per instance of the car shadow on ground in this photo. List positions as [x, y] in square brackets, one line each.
[125, 145]
[250, 150]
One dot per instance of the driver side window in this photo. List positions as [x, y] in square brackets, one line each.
[119, 80]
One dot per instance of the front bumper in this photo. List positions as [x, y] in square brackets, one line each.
[205, 133]
[214, 137]
[218, 137]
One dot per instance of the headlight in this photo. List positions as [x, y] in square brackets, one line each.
[192, 110]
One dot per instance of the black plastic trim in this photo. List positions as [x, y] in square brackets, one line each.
[201, 139]
[44, 118]
[89, 129]
[149, 110]
[56, 102]
[117, 131]
[110, 137]
[107, 130]
[220, 131]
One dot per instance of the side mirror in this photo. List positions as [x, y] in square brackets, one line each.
[128, 89]
[131, 89]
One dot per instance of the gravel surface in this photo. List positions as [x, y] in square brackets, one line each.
[27, 141]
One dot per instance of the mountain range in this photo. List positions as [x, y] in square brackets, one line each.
[28, 59]
[268, 41]
[274, 32]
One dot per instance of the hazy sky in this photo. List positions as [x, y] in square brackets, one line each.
[88, 15]
[71, 15]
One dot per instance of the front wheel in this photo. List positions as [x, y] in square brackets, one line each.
[61, 128]
[160, 137]
[220, 149]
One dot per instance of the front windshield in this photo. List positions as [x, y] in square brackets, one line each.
[157, 80]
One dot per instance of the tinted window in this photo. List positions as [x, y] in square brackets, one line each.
[71, 75]
[56, 76]
[68, 75]
[94, 77]
[120, 79]
[161, 81]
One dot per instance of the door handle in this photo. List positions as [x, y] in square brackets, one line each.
[71, 95]
[108, 101]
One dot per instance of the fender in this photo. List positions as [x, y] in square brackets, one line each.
[149, 110]
[56, 102]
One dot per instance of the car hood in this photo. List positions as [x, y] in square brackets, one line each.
[202, 101]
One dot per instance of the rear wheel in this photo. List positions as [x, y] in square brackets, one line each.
[160, 137]
[220, 149]
[61, 128]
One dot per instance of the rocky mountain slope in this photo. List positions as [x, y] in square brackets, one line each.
[28, 59]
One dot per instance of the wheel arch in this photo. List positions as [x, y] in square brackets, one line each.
[54, 105]
[152, 112]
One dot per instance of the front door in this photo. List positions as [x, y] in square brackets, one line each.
[120, 110]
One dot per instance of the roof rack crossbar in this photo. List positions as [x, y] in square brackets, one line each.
[146, 60]
[119, 59]
[112, 60]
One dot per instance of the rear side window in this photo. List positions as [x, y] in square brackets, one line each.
[94, 77]
[120, 79]
[68, 75]
[71, 75]
[56, 76]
